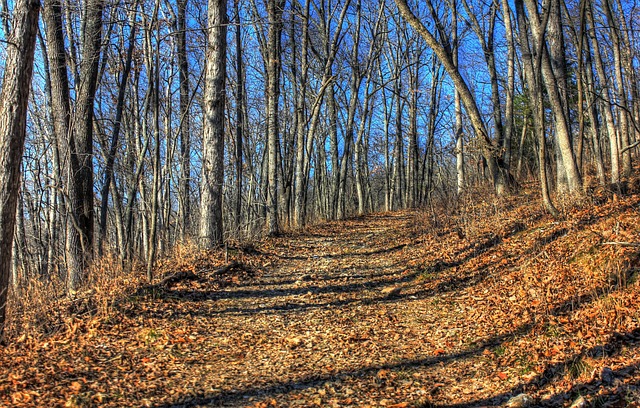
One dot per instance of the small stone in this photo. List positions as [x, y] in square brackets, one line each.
[579, 403]
[519, 401]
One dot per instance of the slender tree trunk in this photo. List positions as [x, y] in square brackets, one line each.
[563, 132]
[275, 9]
[184, 131]
[510, 89]
[211, 231]
[620, 88]
[459, 136]
[606, 105]
[586, 79]
[412, 148]
[240, 117]
[533, 76]
[154, 82]
[558, 61]
[14, 98]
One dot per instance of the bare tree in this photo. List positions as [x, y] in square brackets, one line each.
[76, 129]
[211, 231]
[499, 175]
[275, 9]
[532, 61]
[14, 99]
[184, 131]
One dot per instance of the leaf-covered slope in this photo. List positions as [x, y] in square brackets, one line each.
[402, 309]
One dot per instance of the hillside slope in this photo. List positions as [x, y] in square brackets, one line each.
[464, 308]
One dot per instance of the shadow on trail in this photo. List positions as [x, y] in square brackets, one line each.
[455, 282]
[305, 298]
[551, 373]
[342, 255]
[611, 384]
[310, 381]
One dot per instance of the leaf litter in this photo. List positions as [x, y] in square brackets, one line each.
[404, 309]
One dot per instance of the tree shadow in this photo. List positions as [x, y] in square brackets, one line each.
[270, 390]
[610, 383]
[342, 255]
[466, 279]
[551, 373]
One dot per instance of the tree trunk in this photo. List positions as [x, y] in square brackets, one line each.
[508, 104]
[459, 136]
[606, 105]
[563, 132]
[620, 91]
[533, 76]
[211, 231]
[80, 151]
[14, 99]
[184, 131]
[275, 9]
[240, 118]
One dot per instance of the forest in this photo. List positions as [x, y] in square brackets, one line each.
[170, 153]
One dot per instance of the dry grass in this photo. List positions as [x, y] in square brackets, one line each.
[40, 308]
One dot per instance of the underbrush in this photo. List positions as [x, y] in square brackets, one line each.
[40, 308]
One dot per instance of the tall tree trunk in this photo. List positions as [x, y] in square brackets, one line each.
[620, 91]
[300, 79]
[558, 61]
[77, 133]
[184, 131]
[554, 89]
[459, 136]
[607, 104]
[533, 76]
[14, 99]
[240, 117]
[80, 150]
[211, 231]
[154, 83]
[412, 148]
[275, 10]
[510, 89]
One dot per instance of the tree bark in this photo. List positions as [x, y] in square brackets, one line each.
[606, 105]
[533, 77]
[211, 228]
[563, 132]
[275, 9]
[459, 136]
[14, 99]
[240, 118]
[184, 131]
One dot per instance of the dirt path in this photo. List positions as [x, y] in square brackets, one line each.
[323, 325]
[367, 312]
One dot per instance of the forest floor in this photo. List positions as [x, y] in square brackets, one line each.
[468, 307]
